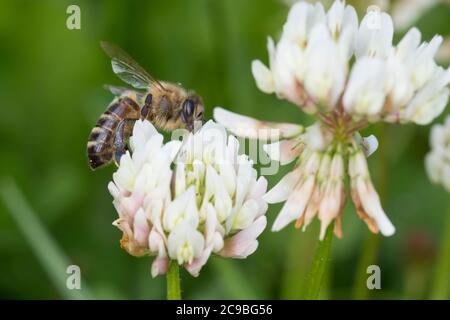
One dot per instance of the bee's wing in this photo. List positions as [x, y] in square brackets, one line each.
[127, 69]
[115, 90]
[118, 91]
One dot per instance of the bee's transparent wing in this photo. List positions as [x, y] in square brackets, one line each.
[127, 69]
[118, 91]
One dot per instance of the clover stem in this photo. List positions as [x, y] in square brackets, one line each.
[441, 283]
[173, 281]
[369, 253]
[321, 258]
[368, 257]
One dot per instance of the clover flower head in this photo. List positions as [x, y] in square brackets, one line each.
[437, 161]
[347, 74]
[312, 67]
[183, 201]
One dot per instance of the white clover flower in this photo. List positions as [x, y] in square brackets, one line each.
[437, 161]
[310, 67]
[186, 200]
[348, 75]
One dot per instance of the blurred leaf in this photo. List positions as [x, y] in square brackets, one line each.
[52, 259]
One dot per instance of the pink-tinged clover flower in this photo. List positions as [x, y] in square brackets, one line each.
[184, 201]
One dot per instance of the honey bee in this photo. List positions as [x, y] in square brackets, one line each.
[167, 105]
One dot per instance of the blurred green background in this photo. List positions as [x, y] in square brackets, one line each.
[51, 95]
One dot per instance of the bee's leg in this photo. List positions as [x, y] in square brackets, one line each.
[147, 105]
[123, 133]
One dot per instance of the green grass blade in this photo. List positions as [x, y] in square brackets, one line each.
[49, 254]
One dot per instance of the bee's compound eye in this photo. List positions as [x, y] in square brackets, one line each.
[188, 107]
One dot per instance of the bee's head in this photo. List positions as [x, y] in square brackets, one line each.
[192, 111]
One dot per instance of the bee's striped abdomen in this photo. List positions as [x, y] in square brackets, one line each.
[125, 108]
[100, 146]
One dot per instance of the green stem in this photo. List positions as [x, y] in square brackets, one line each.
[300, 249]
[173, 281]
[441, 284]
[368, 257]
[371, 246]
[321, 257]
